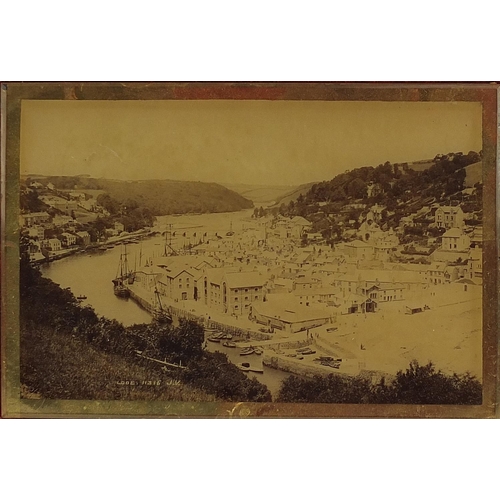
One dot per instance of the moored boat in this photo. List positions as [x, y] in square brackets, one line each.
[229, 343]
[247, 367]
[161, 314]
[247, 351]
[211, 331]
[122, 276]
[256, 369]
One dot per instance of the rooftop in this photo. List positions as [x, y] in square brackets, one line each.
[454, 232]
[244, 279]
[291, 313]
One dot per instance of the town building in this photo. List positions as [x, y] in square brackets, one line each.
[357, 250]
[373, 189]
[33, 218]
[290, 318]
[436, 274]
[449, 217]
[68, 239]
[75, 195]
[37, 232]
[294, 227]
[380, 293]
[62, 220]
[148, 277]
[304, 283]
[177, 284]
[455, 245]
[83, 238]
[454, 239]
[66, 206]
[232, 292]
[476, 237]
[382, 242]
[475, 264]
[52, 244]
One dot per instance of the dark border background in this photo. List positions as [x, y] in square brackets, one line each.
[14, 93]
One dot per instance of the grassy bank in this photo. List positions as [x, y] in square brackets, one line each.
[60, 366]
[69, 352]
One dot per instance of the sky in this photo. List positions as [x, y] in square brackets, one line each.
[237, 142]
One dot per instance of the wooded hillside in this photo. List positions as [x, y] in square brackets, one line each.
[161, 197]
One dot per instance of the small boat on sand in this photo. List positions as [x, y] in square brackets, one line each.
[256, 369]
[211, 332]
[247, 351]
[247, 367]
[258, 351]
[331, 364]
[82, 297]
[229, 343]
[305, 350]
[214, 338]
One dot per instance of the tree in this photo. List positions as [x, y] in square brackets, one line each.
[426, 385]
[416, 385]
[357, 189]
[109, 203]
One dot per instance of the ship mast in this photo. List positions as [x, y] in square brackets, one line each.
[168, 250]
[125, 263]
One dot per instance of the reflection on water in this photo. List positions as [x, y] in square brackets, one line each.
[90, 275]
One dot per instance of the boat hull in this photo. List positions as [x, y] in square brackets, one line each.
[122, 292]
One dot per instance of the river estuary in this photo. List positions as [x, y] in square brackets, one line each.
[90, 275]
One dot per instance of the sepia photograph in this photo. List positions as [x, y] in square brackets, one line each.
[249, 250]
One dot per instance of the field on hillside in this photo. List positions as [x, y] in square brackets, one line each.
[294, 193]
[421, 165]
[474, 174]
[260, 194]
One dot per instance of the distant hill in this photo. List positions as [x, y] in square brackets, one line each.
[260, 194]
[473, 174]
[165, 197]
[162, 197]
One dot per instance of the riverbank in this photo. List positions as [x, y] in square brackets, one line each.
[94, 247]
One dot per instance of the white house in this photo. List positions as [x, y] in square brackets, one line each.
[449, 217]
[454, 239]
[53, 244]
[68, 239]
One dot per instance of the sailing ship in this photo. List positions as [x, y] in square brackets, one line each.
[160, 314]
[123, 276]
